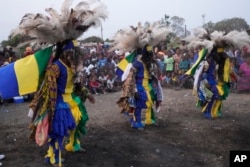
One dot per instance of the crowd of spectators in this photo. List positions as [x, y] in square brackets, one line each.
[100, 65]
[175, 62]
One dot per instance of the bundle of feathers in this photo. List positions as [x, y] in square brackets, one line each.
[133, 38]
[217, 39]
[71, 23]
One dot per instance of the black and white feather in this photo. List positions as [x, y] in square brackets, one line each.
[70, 23]
[232, 39]
[132, 38]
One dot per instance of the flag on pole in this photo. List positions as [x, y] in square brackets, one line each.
[22, 76]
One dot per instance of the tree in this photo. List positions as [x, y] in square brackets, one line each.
[231, 24]
[4, 43]
[166, 20]
[177, 25]
[109, 40]
[93, 39]
[209, 26]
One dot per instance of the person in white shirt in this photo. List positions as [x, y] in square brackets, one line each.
[103, 79]
[110, 83]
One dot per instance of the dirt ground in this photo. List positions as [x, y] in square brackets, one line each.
[182, 138]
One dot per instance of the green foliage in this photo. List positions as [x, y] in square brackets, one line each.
[228, 25]
[166, 20]
[178, 25]
[108, 40]
[14, 41]
[209, 26]
[4, 43]
[92, 39]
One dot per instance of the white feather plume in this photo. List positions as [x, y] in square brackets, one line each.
[71, 23]
[233, 39]
[199, 32]
[130, 39]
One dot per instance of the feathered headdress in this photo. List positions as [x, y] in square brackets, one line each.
[71, 23]
[133, 38]
[217, 39]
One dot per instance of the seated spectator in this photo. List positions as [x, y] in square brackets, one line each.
[110, 83]
[103, 79]
[96, 86]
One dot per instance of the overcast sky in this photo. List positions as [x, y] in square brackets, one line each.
[123, 13]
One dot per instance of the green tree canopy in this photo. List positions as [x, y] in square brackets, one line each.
[231, 24]
[93, 39]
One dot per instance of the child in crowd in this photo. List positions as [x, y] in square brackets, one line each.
[96, 86]
[169, 61]
[184, 64]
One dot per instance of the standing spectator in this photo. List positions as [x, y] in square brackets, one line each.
[233, 74]
[243, 83]
[160, 61]
[169, 61]
[184, 64]
[193, 56]
[177, 59]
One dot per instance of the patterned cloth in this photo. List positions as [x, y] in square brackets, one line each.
[140, 91]
[209, 89]
[65, 110]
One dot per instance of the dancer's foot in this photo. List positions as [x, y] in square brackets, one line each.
[47, 161]
[207, 115]
[137, 125]
[149, 122]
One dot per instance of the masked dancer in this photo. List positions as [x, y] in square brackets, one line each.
[140, 72]
[57, 110]
[211, 71]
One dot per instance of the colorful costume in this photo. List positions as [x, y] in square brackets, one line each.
[58, 107]
[209, 88]
[140, 72]
[145, 96]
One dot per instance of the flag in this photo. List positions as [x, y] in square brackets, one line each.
[201, 57]
[124, 66]
[22, 76]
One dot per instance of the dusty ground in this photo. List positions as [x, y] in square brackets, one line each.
[183, 138]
